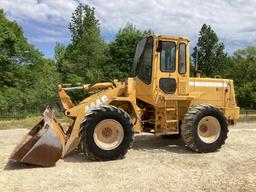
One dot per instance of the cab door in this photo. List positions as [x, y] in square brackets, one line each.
[167, 77]
[183, 68]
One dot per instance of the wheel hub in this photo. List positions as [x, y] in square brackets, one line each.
[108, 134]
[203, 128]
[209, 129]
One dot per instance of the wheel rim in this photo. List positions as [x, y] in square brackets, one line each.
[209, 129]
[108, 134]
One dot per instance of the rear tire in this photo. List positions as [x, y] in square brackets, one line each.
[107, 134]
[204, 128]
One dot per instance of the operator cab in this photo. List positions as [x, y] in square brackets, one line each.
[161, 66]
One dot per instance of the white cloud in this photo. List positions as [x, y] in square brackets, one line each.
[43, 11]
[234, 21]
[46, 20]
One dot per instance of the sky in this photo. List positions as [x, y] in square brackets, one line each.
[45, 22]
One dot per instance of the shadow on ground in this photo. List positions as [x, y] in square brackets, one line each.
[77, 157]
[143, 142]
[147, 142]
[10, 165]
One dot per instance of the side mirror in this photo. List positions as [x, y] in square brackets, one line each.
[159, 46]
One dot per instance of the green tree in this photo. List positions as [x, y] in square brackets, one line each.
[242, 70]
[87, 54]
[12, 75]
[28, 81]
[211, 56]
[122, 50]
[42, 82]
[59, 57]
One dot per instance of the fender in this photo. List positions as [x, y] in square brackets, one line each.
[129, 105]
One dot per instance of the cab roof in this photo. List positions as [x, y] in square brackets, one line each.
[173, 37]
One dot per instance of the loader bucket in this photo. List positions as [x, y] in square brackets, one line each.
[43, 144]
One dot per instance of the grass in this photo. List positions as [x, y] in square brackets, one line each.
[27, 122]
[247, 119]
[30, 121]
[247, 115]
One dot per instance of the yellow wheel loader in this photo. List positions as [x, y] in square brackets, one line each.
[160, 98]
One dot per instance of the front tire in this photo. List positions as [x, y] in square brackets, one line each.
[204, 128]
[107, 134]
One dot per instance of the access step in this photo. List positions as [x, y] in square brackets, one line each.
[172, 121]
[170, 109]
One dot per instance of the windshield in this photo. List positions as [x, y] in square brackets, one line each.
[138, 53]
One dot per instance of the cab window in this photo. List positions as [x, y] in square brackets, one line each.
[182, 58]
[168, 56]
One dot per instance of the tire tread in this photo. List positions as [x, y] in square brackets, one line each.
[90, 120]
[187, 127]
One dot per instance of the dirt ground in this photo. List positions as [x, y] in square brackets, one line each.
[154, 164]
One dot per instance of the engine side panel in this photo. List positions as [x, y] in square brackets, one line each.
[217, 92]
